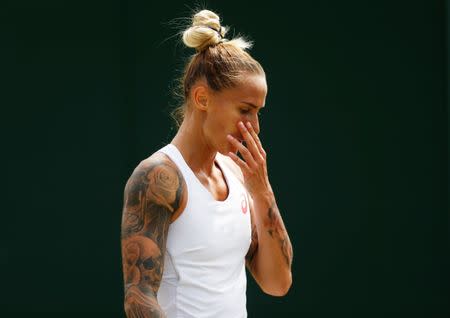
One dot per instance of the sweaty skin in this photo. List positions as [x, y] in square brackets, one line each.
[154, 196]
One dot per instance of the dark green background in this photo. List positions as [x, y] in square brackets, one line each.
[355, 127]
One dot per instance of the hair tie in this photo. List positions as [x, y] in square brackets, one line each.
[218, 31]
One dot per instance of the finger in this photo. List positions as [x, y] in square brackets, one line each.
[244, 152]
[241, 163]
[257, 140]
[251, 143]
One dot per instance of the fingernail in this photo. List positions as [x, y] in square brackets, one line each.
[241, 124]
[229, 137]
[249, 125]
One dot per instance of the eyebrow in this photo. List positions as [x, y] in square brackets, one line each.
[253, 105]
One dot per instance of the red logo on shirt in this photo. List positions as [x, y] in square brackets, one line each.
[244, 204]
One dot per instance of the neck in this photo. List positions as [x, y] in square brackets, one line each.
[192, 144]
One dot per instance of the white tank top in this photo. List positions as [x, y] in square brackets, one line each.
[204, 267]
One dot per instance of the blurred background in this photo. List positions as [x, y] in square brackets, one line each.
[355, 127]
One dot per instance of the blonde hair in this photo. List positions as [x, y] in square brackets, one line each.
[221, 62]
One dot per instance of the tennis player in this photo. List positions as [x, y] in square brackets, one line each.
[195, 214]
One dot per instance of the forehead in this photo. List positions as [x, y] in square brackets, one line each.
[251, 88]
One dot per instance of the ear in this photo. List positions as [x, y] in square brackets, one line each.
[200, 97]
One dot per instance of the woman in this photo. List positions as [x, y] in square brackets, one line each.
[194, 212]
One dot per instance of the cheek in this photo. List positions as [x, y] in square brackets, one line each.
[214, 127]
[223, 123]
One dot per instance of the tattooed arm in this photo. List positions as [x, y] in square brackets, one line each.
[269, 257]
[155, 195]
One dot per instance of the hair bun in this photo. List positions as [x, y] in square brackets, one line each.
[205, 31]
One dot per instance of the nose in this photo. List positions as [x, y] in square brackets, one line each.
[254, 120]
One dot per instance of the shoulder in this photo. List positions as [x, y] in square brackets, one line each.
[158, 179]
[231, 165]
[158, 161]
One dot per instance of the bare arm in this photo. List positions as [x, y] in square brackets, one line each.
[269, 258]
[270, 255]
[154, 195]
